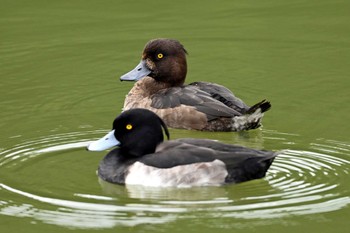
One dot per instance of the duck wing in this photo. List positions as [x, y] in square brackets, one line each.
[175, 153]
[241, 163]
[222, 94]
[192, 96]
[225, 96]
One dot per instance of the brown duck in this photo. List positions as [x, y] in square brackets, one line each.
[204, 106]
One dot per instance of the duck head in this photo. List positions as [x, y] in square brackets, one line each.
[162, 59]
[137, 132]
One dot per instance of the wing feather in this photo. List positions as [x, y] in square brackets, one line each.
[192, 96]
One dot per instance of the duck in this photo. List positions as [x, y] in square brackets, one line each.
[142, 157]
[205, 106]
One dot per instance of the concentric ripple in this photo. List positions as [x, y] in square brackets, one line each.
[68, 193]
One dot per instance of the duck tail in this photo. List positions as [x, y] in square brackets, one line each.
[254, 167]
[251, 119]
[258, 167]
[263, 105]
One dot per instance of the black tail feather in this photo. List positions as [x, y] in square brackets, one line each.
[252, 168]
[257, 168]
[263, 105]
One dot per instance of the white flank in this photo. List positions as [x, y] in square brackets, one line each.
[196, 174]
[240, 122]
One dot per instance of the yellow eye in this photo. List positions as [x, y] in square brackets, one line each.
[160, 55]
[128, 127]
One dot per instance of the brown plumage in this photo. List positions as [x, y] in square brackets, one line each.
[207, 106]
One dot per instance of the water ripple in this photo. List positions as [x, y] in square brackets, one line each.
[299, 182]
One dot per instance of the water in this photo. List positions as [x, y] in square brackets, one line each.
[59, 69]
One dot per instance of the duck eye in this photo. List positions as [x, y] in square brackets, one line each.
[128, 127]
[160, 55]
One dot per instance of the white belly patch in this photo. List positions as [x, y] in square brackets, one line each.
[241, 122]
[197, 174]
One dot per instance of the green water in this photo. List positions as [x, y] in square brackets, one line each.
[60, 63]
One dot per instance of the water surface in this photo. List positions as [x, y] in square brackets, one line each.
[59, 68]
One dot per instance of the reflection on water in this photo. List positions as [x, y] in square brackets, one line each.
[60, 62]
[299, 182]
[43, 145]
[81, 214]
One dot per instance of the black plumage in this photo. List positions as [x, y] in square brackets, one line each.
[139, 132]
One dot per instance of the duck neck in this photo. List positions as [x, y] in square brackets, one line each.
[149, 86]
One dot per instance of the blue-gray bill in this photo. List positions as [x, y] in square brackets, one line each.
[140, 71]
[108, 141]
